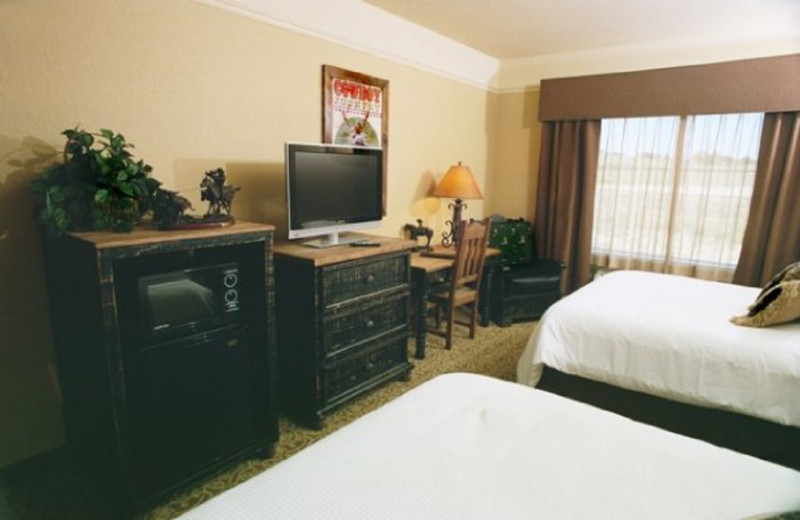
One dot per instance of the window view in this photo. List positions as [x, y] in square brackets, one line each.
[674, 190]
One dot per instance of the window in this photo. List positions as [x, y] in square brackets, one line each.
[673, 193]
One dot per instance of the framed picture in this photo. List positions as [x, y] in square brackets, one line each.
[356, 111]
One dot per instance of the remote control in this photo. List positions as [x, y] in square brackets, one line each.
[365, 243]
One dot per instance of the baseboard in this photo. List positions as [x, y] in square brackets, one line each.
[32, 466]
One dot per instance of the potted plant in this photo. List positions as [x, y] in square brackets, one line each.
[98, 186]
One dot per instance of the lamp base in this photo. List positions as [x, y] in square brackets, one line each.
[449, 237]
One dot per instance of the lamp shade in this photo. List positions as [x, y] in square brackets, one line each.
[458, 183]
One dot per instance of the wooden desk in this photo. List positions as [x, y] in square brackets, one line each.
[427, 272]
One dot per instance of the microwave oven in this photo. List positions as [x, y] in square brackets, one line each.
[188, 301]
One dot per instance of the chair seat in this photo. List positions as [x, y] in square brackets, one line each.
[463, 295]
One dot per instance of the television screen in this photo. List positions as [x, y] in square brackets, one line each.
[332, 189]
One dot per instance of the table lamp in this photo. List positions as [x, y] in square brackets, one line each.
[459, 184]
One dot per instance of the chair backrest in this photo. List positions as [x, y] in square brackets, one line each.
[471, 243]
[514, 239]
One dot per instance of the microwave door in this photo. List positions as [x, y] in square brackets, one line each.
[179, 303]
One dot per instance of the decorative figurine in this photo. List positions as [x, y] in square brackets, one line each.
[169, 208]
[417, 231]
[217, 193]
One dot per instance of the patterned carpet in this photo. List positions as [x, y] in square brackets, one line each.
[62, 493]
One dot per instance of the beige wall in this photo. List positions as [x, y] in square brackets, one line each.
[517, 155]
[196, 88]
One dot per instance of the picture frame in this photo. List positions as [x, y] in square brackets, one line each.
[356, 111]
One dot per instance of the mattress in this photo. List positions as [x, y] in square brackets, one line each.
[465, 446]
[671, 336]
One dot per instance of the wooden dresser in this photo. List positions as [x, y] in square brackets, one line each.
[153, 403]
[342, 323]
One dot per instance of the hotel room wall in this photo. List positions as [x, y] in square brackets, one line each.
[517, 154]
[195, 88]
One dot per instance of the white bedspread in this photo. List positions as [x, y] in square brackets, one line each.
[464, 446]
[670, 336]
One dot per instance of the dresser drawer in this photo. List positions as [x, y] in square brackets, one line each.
[352, 372]
[343, 282]
[348, 330]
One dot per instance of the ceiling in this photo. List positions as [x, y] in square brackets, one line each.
[508, 29]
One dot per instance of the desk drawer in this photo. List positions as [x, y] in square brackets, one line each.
[350, 280]
[351, 372]
[361, 324]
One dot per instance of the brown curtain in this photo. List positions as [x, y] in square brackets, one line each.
[772, 236]
[565, 196]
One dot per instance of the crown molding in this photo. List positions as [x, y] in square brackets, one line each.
[363, 27]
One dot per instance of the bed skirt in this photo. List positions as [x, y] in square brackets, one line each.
[760, 438]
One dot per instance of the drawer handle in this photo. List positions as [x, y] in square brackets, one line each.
[369, 324]
[369, 279]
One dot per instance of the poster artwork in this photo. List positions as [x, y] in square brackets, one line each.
[356, 111]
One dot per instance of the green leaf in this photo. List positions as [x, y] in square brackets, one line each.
[103, 165]
[152, 184]
[74, 148]
[127, 189]
[61, 221]
[86, 139]
[102, 196]
[139, 187]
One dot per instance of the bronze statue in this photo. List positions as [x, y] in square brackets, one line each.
[417, 231]
[217, 193]
[169, 208]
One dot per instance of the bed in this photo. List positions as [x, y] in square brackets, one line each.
[671, 337]
[468, 446]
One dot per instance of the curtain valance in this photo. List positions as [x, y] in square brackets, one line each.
[754, 85]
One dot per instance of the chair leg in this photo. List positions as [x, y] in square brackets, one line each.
[451, 316]
[473, 321]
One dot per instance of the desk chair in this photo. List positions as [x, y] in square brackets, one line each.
[465, 282]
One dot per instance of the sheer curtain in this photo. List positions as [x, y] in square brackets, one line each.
[673, 193]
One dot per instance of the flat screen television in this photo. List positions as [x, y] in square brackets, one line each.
[332, 189]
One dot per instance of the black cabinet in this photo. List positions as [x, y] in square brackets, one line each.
[165, 347]
[342, 322]
[189, 406]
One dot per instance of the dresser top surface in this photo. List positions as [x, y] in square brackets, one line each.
[342, 253]
[150, 234]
